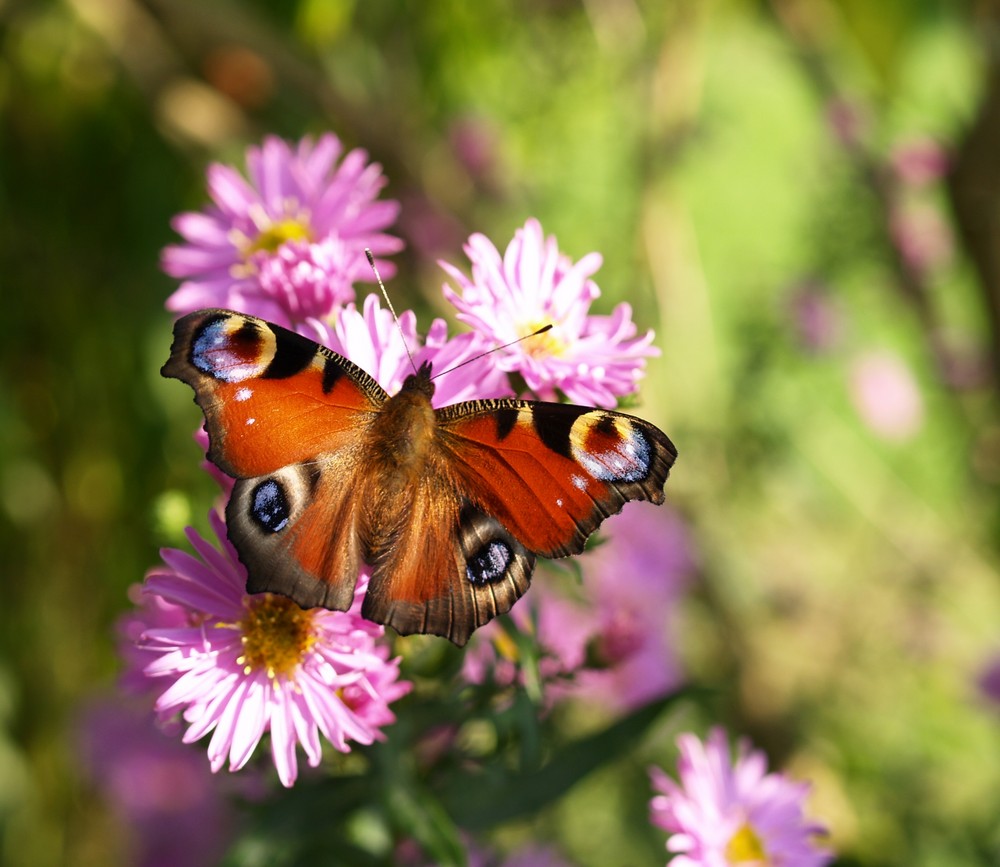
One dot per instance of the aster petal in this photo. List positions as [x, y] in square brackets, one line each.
[315, 161]
[283, 743]
[230, 191]
[207, 291]
[333, 206]
[332, 717]
[206, 229]
[221, 743]
[194, 594]
[306, 729]
[185, 260]
[250, 722]
[267, 168]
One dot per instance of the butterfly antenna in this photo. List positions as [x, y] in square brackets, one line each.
[541, 330]
[392, 310]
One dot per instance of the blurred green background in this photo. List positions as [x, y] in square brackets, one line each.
[800, 196]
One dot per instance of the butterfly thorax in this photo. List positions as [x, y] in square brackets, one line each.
[403, 432]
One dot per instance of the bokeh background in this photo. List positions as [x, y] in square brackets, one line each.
[800, 196]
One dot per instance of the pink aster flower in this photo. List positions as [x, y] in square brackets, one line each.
[591, 359]
[287, 242]
[240, 665]
[371, 340]
[727, 814]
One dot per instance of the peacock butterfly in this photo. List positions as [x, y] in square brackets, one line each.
[449, 507]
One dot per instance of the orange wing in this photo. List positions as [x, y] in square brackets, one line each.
[270, 396]
[550, 472]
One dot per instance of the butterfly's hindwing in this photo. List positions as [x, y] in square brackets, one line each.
[446, 575]
[295, 530]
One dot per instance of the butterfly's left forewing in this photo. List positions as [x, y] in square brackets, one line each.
[271, 397]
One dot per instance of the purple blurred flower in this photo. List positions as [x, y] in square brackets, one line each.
[848, 122]
[474, 140]
[613, 634]
[817, 321]
[725, 813]
[288, 242]
[535, 855]
[919, 161]
[242, 665]
[409, 854]
[989, 680]
[166, 799]
[634, 582]
[886, 396]
[921, 235]
[591, 359]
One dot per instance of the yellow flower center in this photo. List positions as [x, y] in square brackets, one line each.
[280, 232]
[545, 345]
[745, 847]
[276, 635]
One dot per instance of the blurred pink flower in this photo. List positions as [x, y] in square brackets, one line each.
[371, 340]
[817, 321]
[634, 583]
[473, 141]
[886, 396]
[242, 665]
[919, 161]
[171, 809]
[725, 813]
[989, 680]
[611, 641]
[535, 855]
[922, 236]
[409, 854]
[298, 198]
[593, 360]
[848, 121]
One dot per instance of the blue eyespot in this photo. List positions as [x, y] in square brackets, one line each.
[627, 459]
[489, 563]
[269, 506]
[227, 355]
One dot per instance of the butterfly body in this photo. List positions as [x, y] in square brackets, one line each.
[448, 507]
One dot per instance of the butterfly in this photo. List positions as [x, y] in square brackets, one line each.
[448, 507]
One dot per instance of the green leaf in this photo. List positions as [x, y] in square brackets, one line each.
[478, 801]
